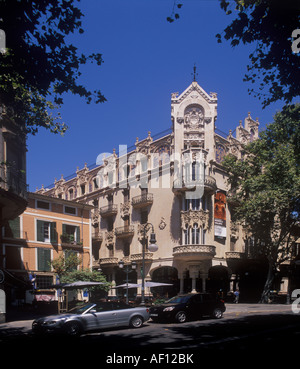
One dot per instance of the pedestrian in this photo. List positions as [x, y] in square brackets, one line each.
[236, 296]
[32, 279]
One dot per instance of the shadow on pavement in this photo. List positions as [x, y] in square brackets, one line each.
[250, 336]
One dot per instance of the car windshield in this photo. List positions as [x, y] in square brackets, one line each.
[79, 309]
[178, 299]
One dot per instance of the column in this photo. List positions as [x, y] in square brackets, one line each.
[181, 282]
[112, 291]
[194, 283]
[204, 277]
[139, 279]
[233, 282]
[194, 272]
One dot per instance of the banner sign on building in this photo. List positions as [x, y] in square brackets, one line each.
[220, 215]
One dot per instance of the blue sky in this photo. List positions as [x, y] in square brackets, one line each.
[145, 59]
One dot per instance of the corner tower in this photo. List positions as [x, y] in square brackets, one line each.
[193, 114]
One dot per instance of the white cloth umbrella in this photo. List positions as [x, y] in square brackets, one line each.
[128, 285]
[82, 284]
[156, 284]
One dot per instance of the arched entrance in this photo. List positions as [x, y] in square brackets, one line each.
[218, 280]
[165, 275]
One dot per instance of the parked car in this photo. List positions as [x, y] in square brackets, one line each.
[189, 306]
[91, 317]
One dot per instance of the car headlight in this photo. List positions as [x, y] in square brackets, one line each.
[169, 308]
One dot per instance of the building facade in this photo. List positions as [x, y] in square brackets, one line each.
[13, 187]
[174, 182]
[48, 228]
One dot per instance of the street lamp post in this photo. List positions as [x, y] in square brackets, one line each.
[128, 269]
[152, 247]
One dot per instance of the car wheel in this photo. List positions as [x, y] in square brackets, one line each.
[136, 322]
[181, 317]
[217, 313]
[72, 329]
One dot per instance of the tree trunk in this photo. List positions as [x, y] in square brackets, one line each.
[264, 299]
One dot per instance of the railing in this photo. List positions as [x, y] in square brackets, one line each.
[109, 261]
[142, 200]
[108, 210]
[234, 255]
[194, 250]
[13, 181]
[186, 185]
[15, 234]
[139, 257]
[126, 231]
[69, 240]
[97, 236]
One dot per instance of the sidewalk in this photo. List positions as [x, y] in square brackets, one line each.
[257, 308]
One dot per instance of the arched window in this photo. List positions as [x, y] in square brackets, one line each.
[220, 153]
[186, 235]
[195, 234]
[161, 156]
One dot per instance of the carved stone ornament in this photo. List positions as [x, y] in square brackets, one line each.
[109, 237]
[234, 231]
[82, 178]
[141, 228]
[162, 225]
[95, 218]
[194, 117]
[125, 209]
[191, 217]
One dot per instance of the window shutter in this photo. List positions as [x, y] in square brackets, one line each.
[40, 259]
[40, 230]
[13, 229]
[53, 233]
[44, 259]
[78, 234]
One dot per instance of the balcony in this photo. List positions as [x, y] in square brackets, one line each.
[13, 192]
[68, 240]
[210, 184]
[180, 186]
[109, 210]
[97, 236]
[234, 258]
[139, 257]
[194, 252]
[124, 232]
[142, 200]
[110, 261]
[234, 255]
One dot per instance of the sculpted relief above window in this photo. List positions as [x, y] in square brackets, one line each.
[194, 126]
[194, 117]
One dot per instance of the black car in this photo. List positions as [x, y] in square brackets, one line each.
[188, 307]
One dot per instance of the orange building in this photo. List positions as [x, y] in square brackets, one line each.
[48, 228]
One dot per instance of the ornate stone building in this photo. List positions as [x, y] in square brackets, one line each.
[176, 182]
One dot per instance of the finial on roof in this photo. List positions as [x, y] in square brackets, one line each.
[194, 74]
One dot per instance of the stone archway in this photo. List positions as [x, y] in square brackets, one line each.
[219, 280]
[166, 274]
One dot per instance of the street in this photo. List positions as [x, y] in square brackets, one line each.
[250, 330]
